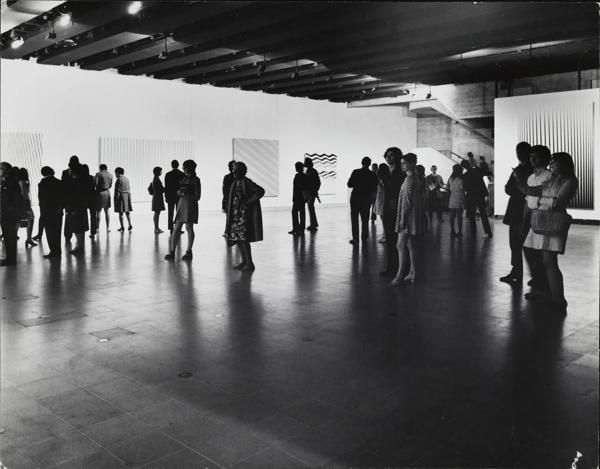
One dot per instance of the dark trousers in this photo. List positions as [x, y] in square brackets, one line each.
[391, 237]
[311, 212]
[515, 240]
[170, 213]
[362, 208]
[93, 221]
[68, 232]
[9, 232]
[298, 217]
[52, 225]
[471, 205]
[536, 267]
[434, 204]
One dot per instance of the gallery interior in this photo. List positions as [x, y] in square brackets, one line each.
[116, 357]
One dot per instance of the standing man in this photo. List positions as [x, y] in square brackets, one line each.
[298, 201]
[312, 190]
[103, 182]
[514, 214]
[475, 194]
[390, 210]
[433, 184]
[227, 182]
[68, 182]
[363, 183]
[11, 211]
[51, 200]
[172, 179]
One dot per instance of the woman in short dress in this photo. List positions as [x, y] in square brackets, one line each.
[554, 195]
[158, 204]
[23, 177]
[122, 198]
[244, 215]
[456, 203]
[410, 221]
[187, 210]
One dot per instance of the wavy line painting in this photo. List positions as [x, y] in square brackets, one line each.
[326, 166]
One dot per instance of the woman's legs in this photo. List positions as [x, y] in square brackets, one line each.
[401, 245]
[459, 213]
[452, 218]
[245, 245]
[242, 252]
[189, 227]
[128, 220]
[121, 220]
[174, 241]
[107, 218]
[411, 253]
[156, 215]
[555, 278]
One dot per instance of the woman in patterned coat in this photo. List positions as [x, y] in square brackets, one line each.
[244, 215]
[410, 221]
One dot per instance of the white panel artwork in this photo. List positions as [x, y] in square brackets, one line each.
[262, 159]
[25, 151]
[139, 156]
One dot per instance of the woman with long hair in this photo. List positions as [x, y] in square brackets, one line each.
[158, 204]
[123, 198]
[456, 202]
[553, 196]
[187, 210]
[410, 221]
[244, 215]
[23, 178]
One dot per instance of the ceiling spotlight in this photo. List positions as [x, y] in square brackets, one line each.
[51, 35]
[16, 43]
[428, 96]
[13, 35]
[134, 8]
[65, 19]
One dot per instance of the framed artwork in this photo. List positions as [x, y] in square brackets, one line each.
[326, 166]
[262, 159]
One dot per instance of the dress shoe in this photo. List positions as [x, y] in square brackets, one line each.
[130, 228]
[187, 256]
[121, 229]
[158, 231]
[52, 256]
[292, 232]
[354, 242]
[29, 242]
[248, 268]
[312, 228]
[76, 251]
[535, 295]
[170, 256]
[511, 279]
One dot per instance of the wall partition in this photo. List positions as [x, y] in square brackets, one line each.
[564, 122]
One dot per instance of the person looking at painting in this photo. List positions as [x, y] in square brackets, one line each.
[312, 190]
[103, 183]
[364, 184]
[172, 179]
[299, 196]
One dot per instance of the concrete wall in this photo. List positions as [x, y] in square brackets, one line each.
[72, 108]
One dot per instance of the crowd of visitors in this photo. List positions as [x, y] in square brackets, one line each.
[397, 191]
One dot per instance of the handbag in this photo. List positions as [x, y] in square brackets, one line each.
[150, 189]
[550, 223]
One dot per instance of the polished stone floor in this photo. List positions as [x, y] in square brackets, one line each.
[121, 359]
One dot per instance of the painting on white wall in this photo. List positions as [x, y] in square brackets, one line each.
[326, 166]
[25, 151]
[262, 159]
[139, 156]
[567, 129]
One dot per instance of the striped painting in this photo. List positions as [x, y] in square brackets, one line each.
[25, 151]
[326, 166]
[567, 129]
[139, 156]
[262, 159]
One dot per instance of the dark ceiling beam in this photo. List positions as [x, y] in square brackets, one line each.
[371, 23]
[169, 19]
[380, 93]
[213, 35]
[85, 16]
[326, 82]
[343, 88]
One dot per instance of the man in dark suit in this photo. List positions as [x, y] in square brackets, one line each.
[475, 194]
[514, 214]
[226, 187]
[390, 209]
[67, 184]
[51, 197]
[172, 179]
[299, 195]
[363, 183]
[313, 182]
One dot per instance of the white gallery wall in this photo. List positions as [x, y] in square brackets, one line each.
[73, 108]
[568, 121]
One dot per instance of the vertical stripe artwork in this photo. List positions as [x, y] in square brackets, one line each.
[25, 151]
[139, 156]
[326, 166]
[567, 129]
[262, 159]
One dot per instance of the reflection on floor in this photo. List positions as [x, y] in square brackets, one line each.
[120, 358]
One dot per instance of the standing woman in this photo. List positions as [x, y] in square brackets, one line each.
[456, 203]
[122, 198]
[244, 215]
[23, 177]
[553, 196]
[375, 169]
[11, 209]
[158, 205]
[77, 205]
[187, 210]
[383, 175]
[410, 221]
